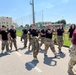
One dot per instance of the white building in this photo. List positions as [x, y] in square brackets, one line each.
[6, 21]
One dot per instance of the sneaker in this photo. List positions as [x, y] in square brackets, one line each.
[60, 52]
[55, 56]
[16, 49]
[25, 46]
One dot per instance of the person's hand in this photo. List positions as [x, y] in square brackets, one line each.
[49, 31]
[11, 38]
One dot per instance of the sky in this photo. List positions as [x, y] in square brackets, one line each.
[45, 10]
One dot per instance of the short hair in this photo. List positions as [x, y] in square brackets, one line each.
[12, 25]
[2, 25]
[31, 26]
[34, 24]
[43, 26]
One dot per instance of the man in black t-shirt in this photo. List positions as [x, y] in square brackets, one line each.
[42, 34]
[48, 41]
[4, 36]
[60, 33]
[12, 32]
[70, 31]
[25, 32]
[35, 44]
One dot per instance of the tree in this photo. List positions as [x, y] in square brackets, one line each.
[21, 26]
[63, 21]
[27, 25]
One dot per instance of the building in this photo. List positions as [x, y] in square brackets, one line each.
[6, 21]
[40, 24]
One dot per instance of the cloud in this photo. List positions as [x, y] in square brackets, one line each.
[65, 1]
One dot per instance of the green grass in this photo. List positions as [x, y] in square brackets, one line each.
[19, 32]
[66, 41]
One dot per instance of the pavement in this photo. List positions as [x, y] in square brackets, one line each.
[22, 63]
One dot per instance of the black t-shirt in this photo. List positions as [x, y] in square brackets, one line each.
[71, 32]
[30, 30]
[34, 32]
[4, 35]
[12, 33]
[43, 32]
[25, 31]
[60, 32]
[49, 35]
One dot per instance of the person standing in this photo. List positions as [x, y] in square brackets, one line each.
[12, 32]
[4, 36]
[70, 31]
[25, 32]
[42, 34]
[30, 40]
[49, 42]
[60, 33]
[72, 51]
[35, 43]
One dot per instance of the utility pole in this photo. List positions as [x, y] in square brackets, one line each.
[33, 13]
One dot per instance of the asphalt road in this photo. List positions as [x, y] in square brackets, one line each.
[22, 63]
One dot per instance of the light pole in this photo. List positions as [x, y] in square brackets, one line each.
[33, 13]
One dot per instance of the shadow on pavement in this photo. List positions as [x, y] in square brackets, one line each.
[50, 61]
[41, 51]
[4, 54]
[11, 51]
[30, 65]
[21, 48]
[61, 55]
[69, 74]
[28, 52]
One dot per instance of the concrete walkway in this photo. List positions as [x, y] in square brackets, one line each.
[21, 62]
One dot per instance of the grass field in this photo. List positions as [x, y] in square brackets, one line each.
[19, 32]
[66, 41]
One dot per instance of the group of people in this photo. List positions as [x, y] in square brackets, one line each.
[43, 36]
[8, 36]
[39, 37]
